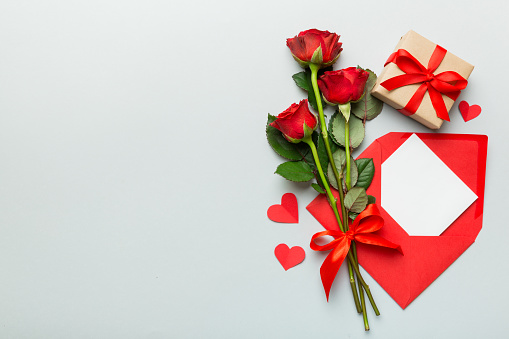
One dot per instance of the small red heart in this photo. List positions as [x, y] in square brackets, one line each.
[469, 112]
[289, 257]
[287, 212]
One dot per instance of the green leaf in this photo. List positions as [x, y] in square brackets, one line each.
[337, 130]
[303, 80]
[340, 160]
[318, 188]
[322, 152]
[368, 107]
[298, 171]
[356, 199]
[371, 200]
[352, 215]
[366, 169]
[282, 146]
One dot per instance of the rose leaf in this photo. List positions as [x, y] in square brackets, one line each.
[303, 80]
[368, 107]
[298, 171]
[353, 215]
[337, 130]
[371, 200]
[366, 170]
[318, 188]
[356, 200]
[340, 161]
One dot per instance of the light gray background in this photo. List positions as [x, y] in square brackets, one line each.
[135, 175]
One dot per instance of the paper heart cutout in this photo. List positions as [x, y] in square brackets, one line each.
[289, 257]
[287, 212]
[469, 112]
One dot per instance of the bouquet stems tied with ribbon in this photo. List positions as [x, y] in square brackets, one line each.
[320, 151]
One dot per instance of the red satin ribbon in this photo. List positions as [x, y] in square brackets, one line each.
[448, 83]
[361, 230]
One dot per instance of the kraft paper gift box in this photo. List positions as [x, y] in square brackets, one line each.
[423, 50]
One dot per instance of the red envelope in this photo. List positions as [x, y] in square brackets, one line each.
[426, 257]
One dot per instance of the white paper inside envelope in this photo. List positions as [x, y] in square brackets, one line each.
[420, 192]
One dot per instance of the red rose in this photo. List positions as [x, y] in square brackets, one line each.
[315, 46]
[343, 86]
[296, 122]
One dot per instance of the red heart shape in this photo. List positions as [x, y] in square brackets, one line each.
[289, 257]
[287, 212]
[469, 112]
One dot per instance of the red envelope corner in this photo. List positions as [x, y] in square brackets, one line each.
[426, 257]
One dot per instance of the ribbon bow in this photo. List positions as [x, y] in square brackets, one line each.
[448, 83]
[367, 222]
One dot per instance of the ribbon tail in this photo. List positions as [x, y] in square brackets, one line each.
[415, 101]
[438, 103]
[332, 263]
[392, 58]
[453, 95]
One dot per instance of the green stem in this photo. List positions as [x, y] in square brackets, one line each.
[330, 196]
[363, 283]
[314, 74]
[342, 221]
[363, 301]
[347, 150]
[363, 305]
[353, 253]
[354, 289]
[333, 203]
[323, 127]
[343, 208]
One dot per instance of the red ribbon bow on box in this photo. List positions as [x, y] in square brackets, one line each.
[448, 83]
[367, 222]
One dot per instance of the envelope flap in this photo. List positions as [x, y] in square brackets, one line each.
[426, 257]
[465, 155]
[408, 276]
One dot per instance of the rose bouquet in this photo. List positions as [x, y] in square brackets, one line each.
[321, 151]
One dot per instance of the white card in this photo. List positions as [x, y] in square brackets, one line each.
[420, 192]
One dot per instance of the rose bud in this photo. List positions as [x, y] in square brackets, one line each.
[315, 46]
[296, 122]
[343, 86]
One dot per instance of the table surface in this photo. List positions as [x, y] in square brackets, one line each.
[135, 174]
